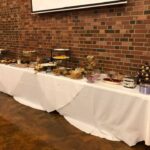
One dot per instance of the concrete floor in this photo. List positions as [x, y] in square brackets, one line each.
[24, 128]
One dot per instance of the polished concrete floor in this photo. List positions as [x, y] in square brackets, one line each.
[24, 128]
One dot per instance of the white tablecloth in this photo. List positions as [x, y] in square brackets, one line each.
[112, 112]
[41, 91]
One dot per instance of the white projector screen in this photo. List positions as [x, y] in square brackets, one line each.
[43, 6]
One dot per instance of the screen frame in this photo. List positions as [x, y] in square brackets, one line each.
[116, 2]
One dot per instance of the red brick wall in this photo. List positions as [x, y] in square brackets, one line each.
[119, 36]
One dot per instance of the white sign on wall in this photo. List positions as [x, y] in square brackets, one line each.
[41, 6]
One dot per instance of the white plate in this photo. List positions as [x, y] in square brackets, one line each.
[111, 82]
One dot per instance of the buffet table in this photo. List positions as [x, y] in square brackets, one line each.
[109, 111]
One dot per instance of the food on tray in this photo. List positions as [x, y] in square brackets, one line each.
[44, 66]
[61, 57]
[38, 67]
[25, 52]
[113, 81]
[28, 52]
[59, 71]
[8, 61]
[3, 61]
[77, 73]
[115, 75]
[118, 76]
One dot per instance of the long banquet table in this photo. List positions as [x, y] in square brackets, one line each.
[109, 111]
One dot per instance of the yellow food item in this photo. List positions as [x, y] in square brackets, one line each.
[38, 67]
[61, 57]
[77, 73]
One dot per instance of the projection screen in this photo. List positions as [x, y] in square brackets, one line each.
[43, 6]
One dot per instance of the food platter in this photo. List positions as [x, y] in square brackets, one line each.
[8, 61]
[112, 81]
[28, 53]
